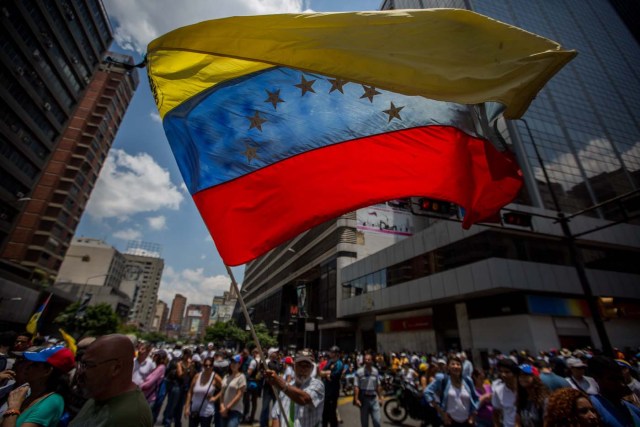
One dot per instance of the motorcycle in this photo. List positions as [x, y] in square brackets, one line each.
[408, 402]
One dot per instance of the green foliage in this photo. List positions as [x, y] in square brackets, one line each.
[97, 320]
[128, 329]
[265, 338]
[153, 337]
[222, 332]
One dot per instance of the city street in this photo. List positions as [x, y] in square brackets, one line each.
[350, 416]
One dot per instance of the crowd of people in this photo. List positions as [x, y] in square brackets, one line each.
[115, 380]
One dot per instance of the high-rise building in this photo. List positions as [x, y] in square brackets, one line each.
[60, 109]
[196, 321]
[439, 287]
[176, 315]
[145, 259]
[160, 319]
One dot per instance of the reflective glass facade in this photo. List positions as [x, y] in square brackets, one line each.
[586, 121]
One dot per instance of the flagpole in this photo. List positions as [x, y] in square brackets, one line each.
[255, 339]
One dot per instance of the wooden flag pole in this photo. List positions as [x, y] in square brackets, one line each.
[255, 339]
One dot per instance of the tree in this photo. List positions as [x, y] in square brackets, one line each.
[266, 340]
[97, 320]
[222, 333]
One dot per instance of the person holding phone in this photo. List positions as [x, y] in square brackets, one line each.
[36, 400]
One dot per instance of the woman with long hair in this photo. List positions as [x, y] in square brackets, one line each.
[38, 398]
[568, 407]
[453, 396]
[531, 398]
[483, 389]
[202, 395]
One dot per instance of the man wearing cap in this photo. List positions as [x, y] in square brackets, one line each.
[105, 374]
[330, 375]
[302, 399]
[578, 379]
[549, 378]
[37, 375]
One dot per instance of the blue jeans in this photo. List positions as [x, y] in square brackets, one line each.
[265, 412]
[175, 402]
[370, 407]
[157, 404]
[232, 419]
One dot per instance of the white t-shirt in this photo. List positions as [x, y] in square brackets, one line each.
[504, 399]
[201, 395]
[458, 403]
[230, 386]
[586, 384]
[142, 370]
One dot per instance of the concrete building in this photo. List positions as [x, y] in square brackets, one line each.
[195, 321]
[160, 318]
[150, 266]
[61, 105]
[437, 287]
[176, 316]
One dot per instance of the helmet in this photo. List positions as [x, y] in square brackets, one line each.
[423, 367]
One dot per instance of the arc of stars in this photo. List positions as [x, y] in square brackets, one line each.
[256, 121]
[336, 84]
[274, 98]
[369, 92]
[393, 112]
[250, 152]
[305, 85]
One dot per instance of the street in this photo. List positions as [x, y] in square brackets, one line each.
[350, 416]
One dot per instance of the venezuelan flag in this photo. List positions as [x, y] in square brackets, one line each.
[281, 122]
[32, 326]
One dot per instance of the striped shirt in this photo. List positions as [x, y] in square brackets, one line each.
[367, 381]
[302, 415]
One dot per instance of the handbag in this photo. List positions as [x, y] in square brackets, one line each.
[196, 415]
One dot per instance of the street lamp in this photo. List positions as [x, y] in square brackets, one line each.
[86, 283]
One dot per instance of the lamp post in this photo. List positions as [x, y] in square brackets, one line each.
[574, 254]
[86, 283]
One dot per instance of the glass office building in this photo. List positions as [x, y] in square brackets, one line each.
[501, 287]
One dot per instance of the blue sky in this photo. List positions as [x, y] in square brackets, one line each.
[140, 194]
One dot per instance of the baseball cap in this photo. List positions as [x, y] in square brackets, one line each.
[574, 362]
[526, 369]
[236, 359]
[335, 349]
[623, 363]
[59, 357]
[304, 356]
[288, 360]
[272, 350]
[210, 344]
[441, 361]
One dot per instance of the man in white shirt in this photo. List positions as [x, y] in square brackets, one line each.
[578, 379]
[143, 365]
[503, 398]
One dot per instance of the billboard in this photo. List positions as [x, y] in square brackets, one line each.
[393, 217]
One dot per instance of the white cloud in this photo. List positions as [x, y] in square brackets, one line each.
[157, 222]
[597, 157]
[131, 184]
[138, 22]
[203, 256]
[197, 287]
[155, 117]
[184, 188]
[128, 234]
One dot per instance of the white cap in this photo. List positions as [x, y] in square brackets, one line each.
[272, 350]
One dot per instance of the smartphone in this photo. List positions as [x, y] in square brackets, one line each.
[28, 390]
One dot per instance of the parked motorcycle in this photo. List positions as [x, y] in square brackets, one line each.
[408, 402]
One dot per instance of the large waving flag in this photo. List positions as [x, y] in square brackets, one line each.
[281, 122]
[32, 325]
